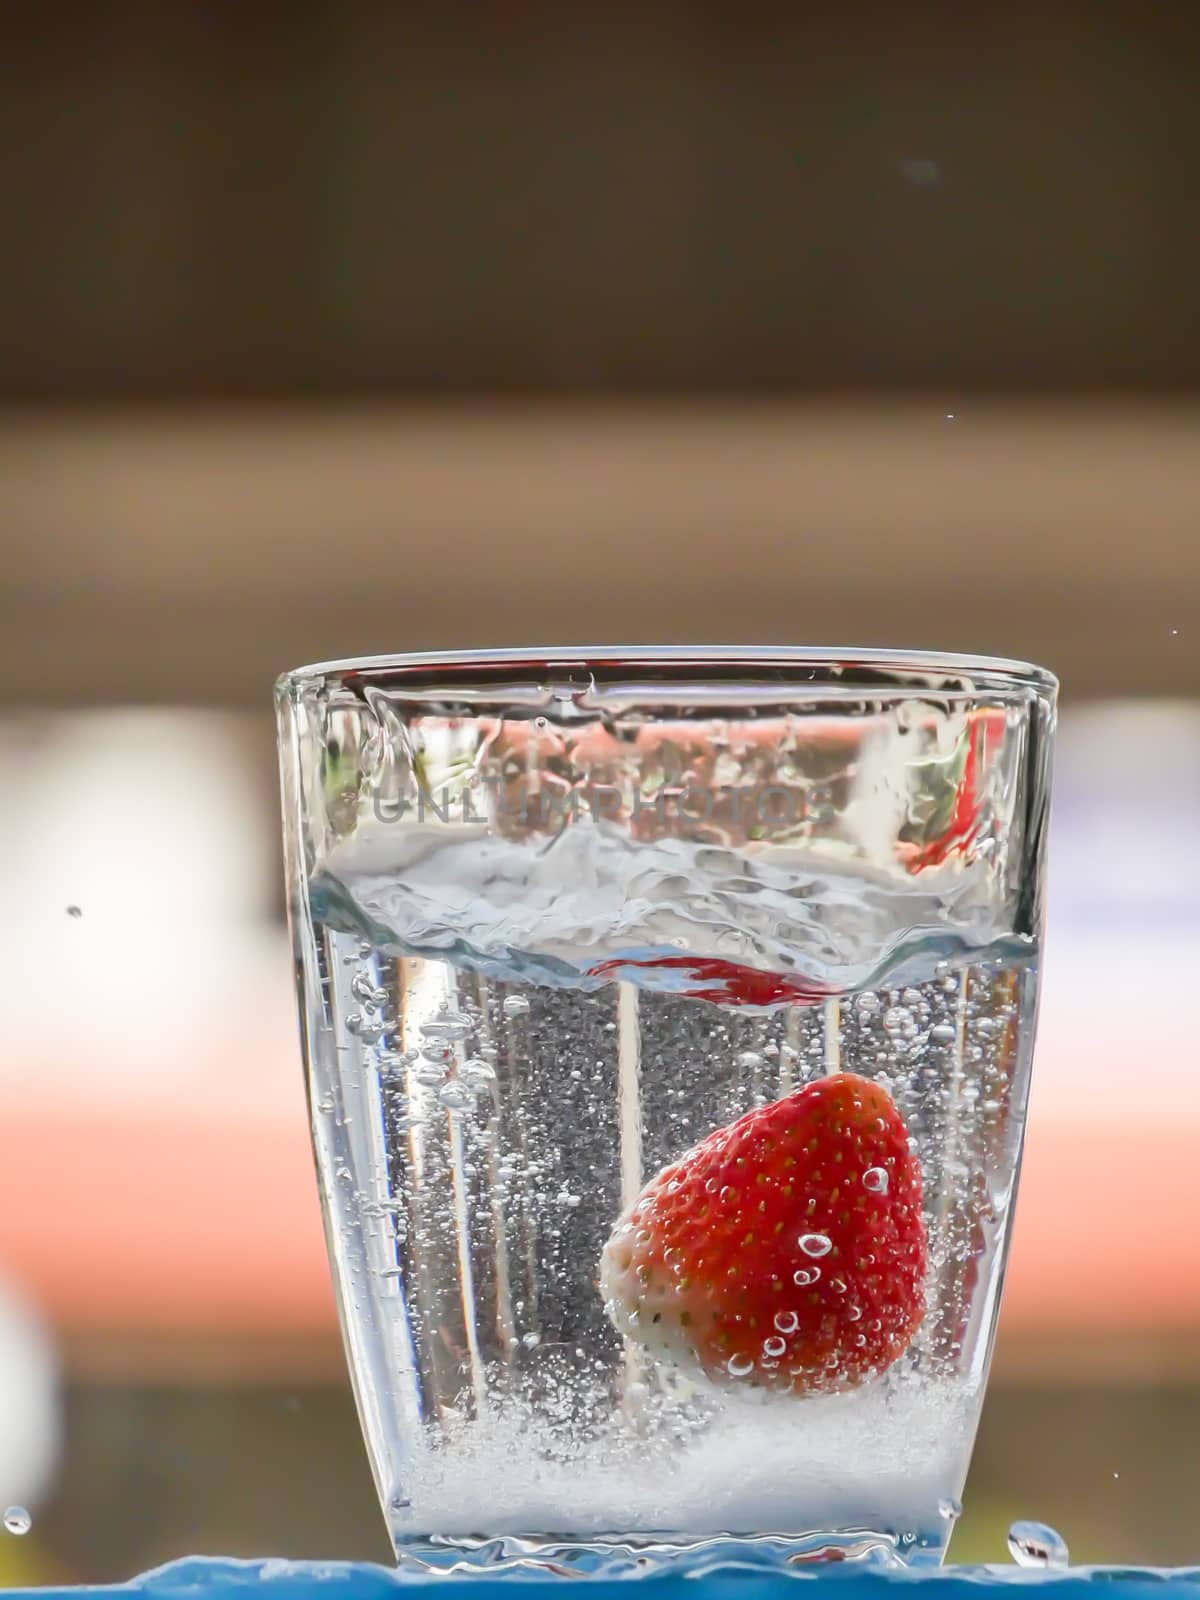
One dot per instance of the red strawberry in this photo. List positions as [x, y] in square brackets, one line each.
[787, 1250]
[724, 983]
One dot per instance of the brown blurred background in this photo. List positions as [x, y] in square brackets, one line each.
[335, 329]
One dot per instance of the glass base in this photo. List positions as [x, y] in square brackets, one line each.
[626, 1556]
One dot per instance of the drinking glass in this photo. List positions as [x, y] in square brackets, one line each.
[667, 1018]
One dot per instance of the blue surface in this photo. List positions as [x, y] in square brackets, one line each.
[198, 1579]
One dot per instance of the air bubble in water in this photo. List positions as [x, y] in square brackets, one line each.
[739, 1366]
[942, 1032]
[455, 1096]
[787, 1321]
[815, 1244]
[774, 1347]
[531, 1340]
[876, 1180]
[806, 1276]
[17, 1520]
[430, 1073]
[362, 987]
[750, 1060]
[868, 1003]
[478, 1073]
[950, 1509]
[367, 1030]
[896, 1018]
[1033, 1544]
[515, 1005]
[446, 1025]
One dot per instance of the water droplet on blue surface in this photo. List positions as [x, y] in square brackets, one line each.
[1034, 1544]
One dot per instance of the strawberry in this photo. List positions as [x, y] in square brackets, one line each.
[787, 1250]
[709, 978]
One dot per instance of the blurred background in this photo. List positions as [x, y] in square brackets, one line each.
[336, 329]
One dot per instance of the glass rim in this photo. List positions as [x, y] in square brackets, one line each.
[898, 669]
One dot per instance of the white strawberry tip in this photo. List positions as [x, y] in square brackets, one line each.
[647, 1320]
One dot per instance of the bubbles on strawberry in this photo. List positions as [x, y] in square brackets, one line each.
[701, 1270]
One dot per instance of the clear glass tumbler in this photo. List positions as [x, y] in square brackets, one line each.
[667, 1017]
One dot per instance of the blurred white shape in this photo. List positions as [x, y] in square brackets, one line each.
[1126, 794]
[171, 982]
[29, 1414]
[1123, 934]
[132, 814]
